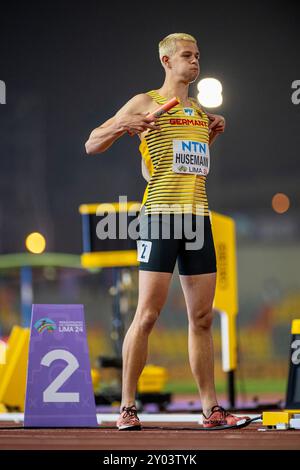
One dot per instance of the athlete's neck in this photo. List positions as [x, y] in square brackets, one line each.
[170, 89]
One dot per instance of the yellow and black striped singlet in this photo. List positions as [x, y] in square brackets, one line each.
[180, 193]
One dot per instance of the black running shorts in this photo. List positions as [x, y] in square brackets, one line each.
[165, 239]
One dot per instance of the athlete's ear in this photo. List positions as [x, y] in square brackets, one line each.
[165, 61]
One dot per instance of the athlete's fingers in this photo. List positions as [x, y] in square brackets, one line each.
[135, 130]
[151, 126]
[140, 128]
[149, 120]
[212, 123]
[217, 124]
[146, 118]
[146, 114]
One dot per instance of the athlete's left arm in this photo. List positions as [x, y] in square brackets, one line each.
[216, 126]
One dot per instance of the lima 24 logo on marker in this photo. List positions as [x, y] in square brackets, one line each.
[45, 324]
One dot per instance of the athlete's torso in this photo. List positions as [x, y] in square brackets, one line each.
[177, 159]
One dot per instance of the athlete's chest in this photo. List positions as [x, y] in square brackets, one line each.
[181, 145]
[184, 120]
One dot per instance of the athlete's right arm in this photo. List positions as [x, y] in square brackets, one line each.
[131, 117]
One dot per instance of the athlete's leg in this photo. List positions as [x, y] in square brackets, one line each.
[199, 293]
[153, 290]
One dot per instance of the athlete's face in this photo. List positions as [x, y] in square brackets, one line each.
[185, 61]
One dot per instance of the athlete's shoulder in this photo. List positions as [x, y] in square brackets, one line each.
[143, 102]
[142, 98]
[136, 104]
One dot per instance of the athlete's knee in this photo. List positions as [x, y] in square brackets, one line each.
[145, 318]
[201, 319]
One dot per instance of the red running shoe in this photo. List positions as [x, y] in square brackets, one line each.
[128, 419]
[221, 417]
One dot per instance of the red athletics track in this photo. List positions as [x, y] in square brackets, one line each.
[13, 436]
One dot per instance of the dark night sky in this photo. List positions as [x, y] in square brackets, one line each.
[70, 66]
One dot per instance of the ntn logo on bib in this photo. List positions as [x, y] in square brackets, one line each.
[191, 156]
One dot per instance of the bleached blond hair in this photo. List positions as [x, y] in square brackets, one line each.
[167, 46]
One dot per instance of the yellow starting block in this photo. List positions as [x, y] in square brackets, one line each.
[3, 348]
[95, 374]
[273, 418]
[3, 408]
[13, 372]
[152, 379]
[293, 412]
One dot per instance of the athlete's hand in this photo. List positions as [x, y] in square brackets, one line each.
[216, 123]
[135, 123]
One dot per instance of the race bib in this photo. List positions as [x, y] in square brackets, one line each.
[190, 157]
[143, 250]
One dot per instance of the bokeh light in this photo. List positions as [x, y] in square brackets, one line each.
[210, 92]
[280, 203]
[35, 243]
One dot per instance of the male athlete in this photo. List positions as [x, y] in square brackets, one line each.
[175, 162]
